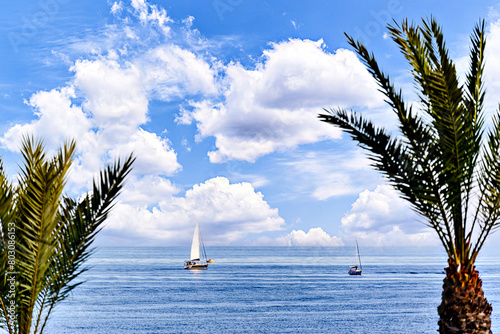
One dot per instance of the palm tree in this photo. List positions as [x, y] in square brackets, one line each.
[442, 160]
[46, 235]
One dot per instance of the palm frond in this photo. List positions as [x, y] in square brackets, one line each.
[474, 96]
[396, 161]
[488, 213]
[53, 233]
[456, 125]
[435, 163]
[81, 222]
[415, 132]
[440, 160]
[38, 223]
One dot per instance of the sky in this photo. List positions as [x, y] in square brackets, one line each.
[219, 101]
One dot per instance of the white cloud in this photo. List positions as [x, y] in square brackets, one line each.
[302, 73]
[146, 190]
[154, 155]
[151, 14]
[57, 120]
[382, 218]
[227, 213]
[117, 7]
[107, 101]
[105, 119]
[173, 72]
[114, 95]
[316, 237]
[275, 106]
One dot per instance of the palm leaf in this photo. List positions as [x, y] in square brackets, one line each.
[53, 232]
[456, 126]
[396, 161]
[38, 223]
[434, 164]
[440, 159]
[81, 224]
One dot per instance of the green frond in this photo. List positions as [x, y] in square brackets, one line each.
[474, 79]
[488, 213]
[412, 127]
[53, 233]
[81, 224]
[436, 162]
[397, 162]
[388, 155]
[38, 222]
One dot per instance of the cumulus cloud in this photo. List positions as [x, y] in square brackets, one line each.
[227, 213]
[100, 136]
[106, 124]
[154, 154]
[172, 71]
[142, 191]
[57, 119]
[115, 95]
[274, 106]
[382, 218]
[302, 73]
[316, 237]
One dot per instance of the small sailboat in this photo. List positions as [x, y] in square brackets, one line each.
[196, 261]
[354, 270]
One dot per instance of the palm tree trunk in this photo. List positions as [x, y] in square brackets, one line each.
[463, 307]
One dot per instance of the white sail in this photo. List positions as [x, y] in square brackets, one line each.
[195, 246]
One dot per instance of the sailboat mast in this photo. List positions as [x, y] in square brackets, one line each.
[358, 258]
[203, 252]
[356, 253]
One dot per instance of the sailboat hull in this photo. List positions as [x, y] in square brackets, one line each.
[196, 266]
[355, 272]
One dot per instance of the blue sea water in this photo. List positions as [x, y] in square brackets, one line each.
[263, 290]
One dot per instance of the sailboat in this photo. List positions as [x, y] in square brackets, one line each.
[354, 269]
[196, 261]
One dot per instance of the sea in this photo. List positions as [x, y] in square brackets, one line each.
[263, 290]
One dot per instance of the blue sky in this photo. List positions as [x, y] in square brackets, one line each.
[219, 100]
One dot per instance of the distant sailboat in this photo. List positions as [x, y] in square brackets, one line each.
[354, 269]
[196, 261]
